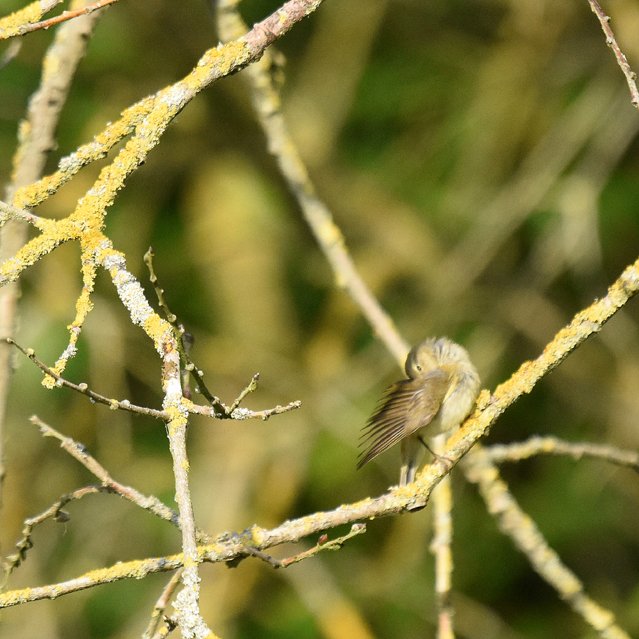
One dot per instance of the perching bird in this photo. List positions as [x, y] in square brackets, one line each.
[438, 395]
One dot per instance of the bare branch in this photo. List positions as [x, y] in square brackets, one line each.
[157, 616]
[22, 29]
[611, 41]
[113, 404]
[25, 543]
[8, 212]
[79, 452]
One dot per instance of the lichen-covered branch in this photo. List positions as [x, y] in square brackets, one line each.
[529, 539]
[10, 25]
[535, 446]
[36, 138]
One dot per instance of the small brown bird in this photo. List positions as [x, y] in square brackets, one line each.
[438, 395]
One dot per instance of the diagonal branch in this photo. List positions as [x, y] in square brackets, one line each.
[611, 41]
[267, 104]
[17, 29]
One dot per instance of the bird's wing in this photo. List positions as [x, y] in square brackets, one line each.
[406, 407]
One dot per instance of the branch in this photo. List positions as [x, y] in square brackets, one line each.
[79, 452]
[8, 212]
[30, 13]
[25, 543]
[500, 453]
[157, 616]
[113, 404]
[441, 548]
[22, 29]
[36, 138]
[267, 104]
[622, 61]
[513, 522]
[324, 543]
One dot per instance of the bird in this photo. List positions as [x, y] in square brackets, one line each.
[438, 395]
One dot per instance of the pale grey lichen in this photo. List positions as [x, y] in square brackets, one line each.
[186, 605]
[176, 96]
[128, 288]
[70, 351]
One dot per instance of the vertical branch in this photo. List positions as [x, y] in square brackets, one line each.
[187, 602]
[36, 137]
[132, 295]
[441, 549]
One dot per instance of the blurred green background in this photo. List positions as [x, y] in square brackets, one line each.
[481, 160]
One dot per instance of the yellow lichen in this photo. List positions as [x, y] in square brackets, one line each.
[216, 63]
[157, 329]
[178, 417]
[12, 24]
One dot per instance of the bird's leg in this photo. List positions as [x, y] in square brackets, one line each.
[448, 462]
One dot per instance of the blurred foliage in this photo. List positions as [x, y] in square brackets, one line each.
[481, 160]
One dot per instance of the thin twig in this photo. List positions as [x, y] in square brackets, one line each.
[249, 388]
[80, 452]
[188, 366]
[611, 41]
[55, 512]
[157, 616]
[113, 404]
[245, 413]
[324, 543]
[23, 29]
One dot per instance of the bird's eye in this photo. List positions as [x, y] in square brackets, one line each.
[418, 367]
